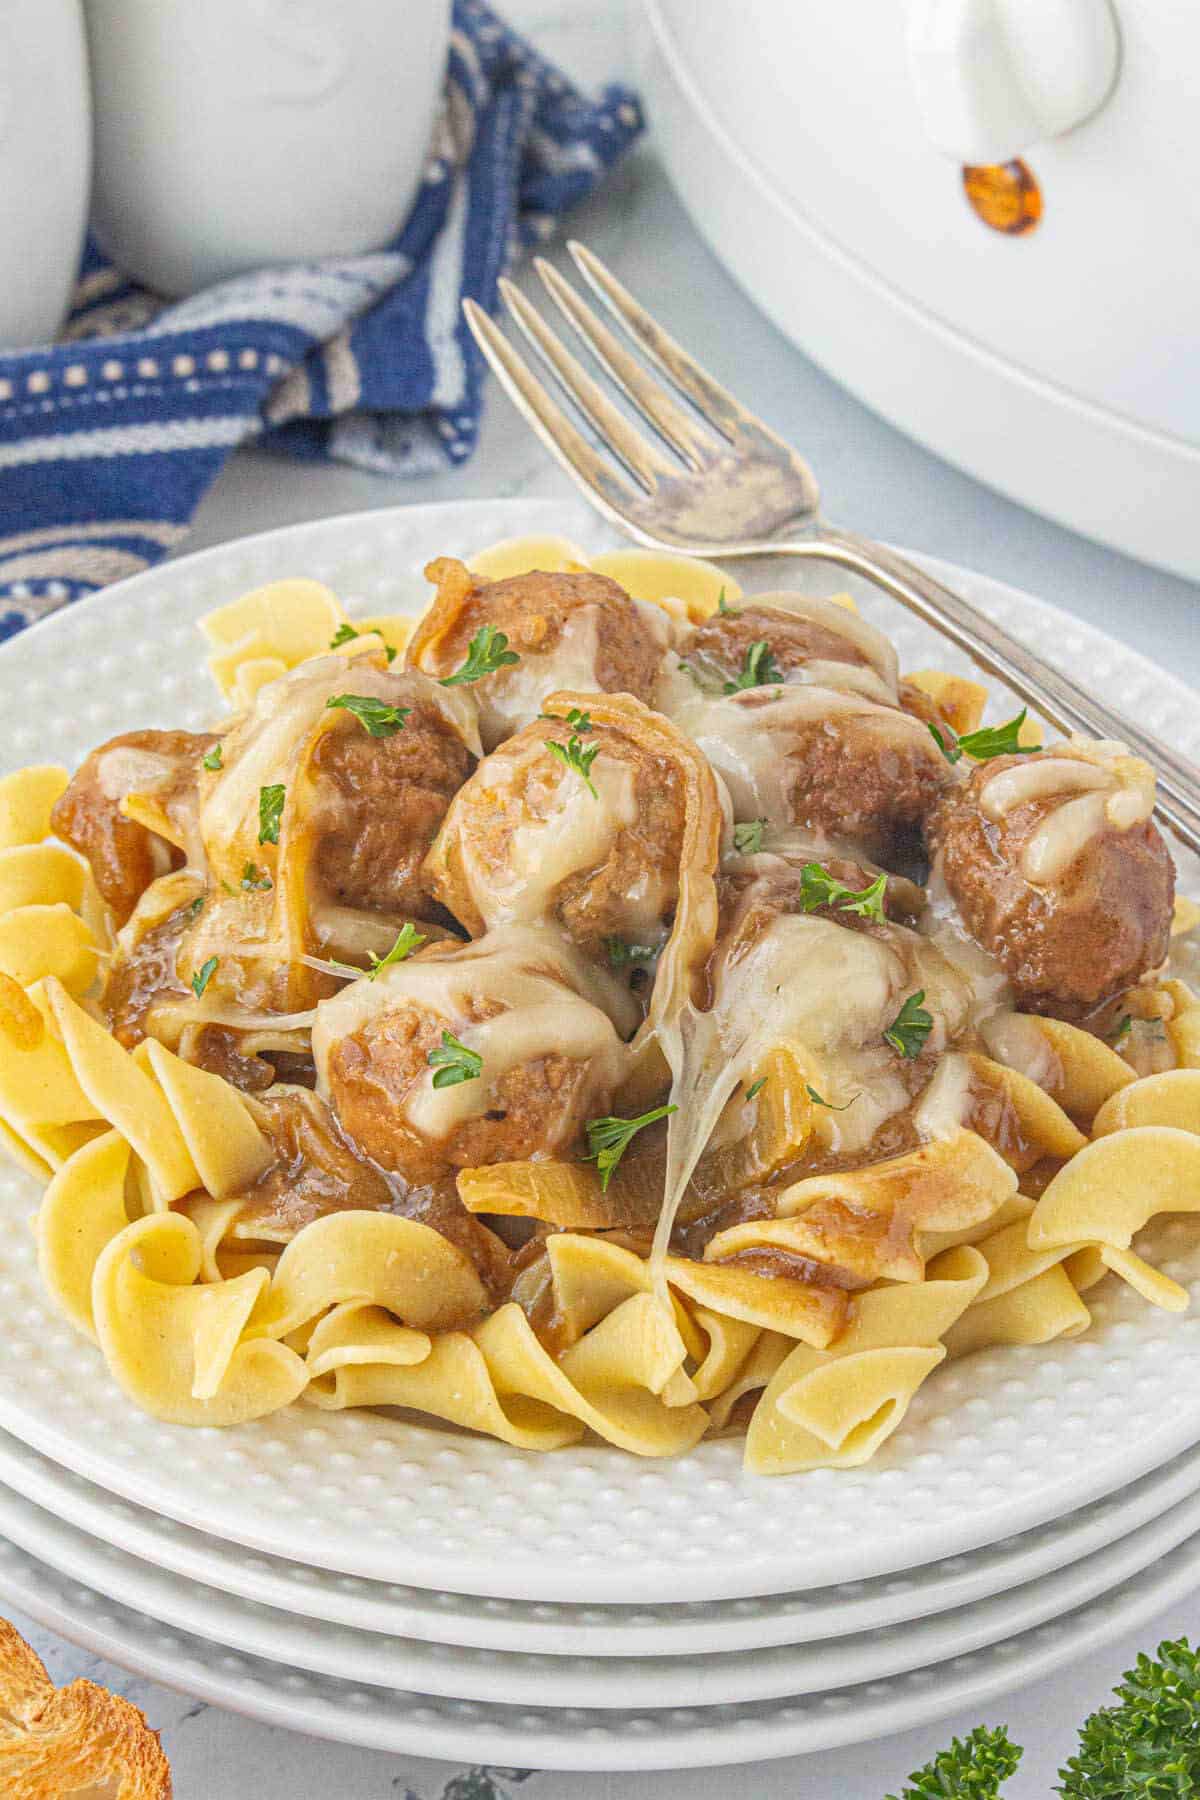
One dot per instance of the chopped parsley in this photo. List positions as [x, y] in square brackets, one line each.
[747, 838]
[270, 811]
[254, 879]
[375, 716]
[609, 1138]
[453, 1063]
[195, 907]
[724, 609]
[757, 1088]
[988, 741]
[1124, 1027]
[212, 759]
[757, 670]
[817, 1100]
[572, 755]
[819, 888]
[408, 939]
[204, 975]
[346, 633]
[487, 652]
[910, 1027]
[619, 953]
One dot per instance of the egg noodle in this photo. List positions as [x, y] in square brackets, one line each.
[807, 1321]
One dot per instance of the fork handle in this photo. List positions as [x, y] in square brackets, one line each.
[1068, 706]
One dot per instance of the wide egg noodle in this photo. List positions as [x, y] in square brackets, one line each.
[832, 1409]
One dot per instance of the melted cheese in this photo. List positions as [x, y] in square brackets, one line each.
[1100, 788]
[551, 1000]
[870, 642]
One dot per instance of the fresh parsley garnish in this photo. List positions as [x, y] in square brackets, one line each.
[572, 755]
[757, 1088]
[724, 609]
[212, 759]
[270, 811]
[988, 741]
[375, 716]
[819, 888]
[204, 975]
[747, 838]
[487, 652]
[910, 1027]
[757, 670]
[1124, 1027]
[254, 879]
[619, 952]
[609, 1138]
[195, 907]
[973, 1768]
[453, 1062]
[408, 939]
[829, 1105]
[346, 633]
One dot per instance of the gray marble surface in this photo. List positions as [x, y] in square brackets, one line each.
[873, 478]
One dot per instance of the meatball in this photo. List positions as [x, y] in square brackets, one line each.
[580, 823]
[569, 631]
[1058, 871]
[385, 798]
[798, 704]
[536, 1035]
[126, 857]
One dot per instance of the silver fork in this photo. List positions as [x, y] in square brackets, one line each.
[715, 481]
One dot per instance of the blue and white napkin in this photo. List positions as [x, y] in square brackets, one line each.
[109, 438]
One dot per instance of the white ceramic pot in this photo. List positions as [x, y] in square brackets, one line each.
[234, 134]
[45, 164]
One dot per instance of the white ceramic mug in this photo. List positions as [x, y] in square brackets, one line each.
[235, 134]
[45, 164]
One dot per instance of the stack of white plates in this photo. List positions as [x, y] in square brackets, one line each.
[395, 1585]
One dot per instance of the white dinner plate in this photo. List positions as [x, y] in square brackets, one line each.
[547, 1737]
[549, 1629]
[994, 1445]
[507, 1678]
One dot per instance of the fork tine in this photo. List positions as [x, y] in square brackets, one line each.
[714, 402]
[549, 421]
[651, 399]
[645, 463]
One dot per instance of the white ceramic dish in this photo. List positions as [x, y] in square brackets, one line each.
[503, 1677]
[992, 1446]
[576, 1737]
[548, 1629]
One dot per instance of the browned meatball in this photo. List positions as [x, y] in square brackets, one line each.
[387, 796]
[569, 631]
[125, 857]
[1073, 940]
[794, 639]
[538, 1047]
[530, 837]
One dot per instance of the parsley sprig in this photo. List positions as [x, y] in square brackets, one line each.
[910, 1027]
[1148, 1745]
[345, 634]
[204, 975]
[375, 716]
[408, 940]
[609, 1138]
[748, 837]
[973, 1768]
[819, 888]
[487, 652]
[758, 669]
[212, 759]
[270, 811]
[574, 756]
[453, 1062]
[988, 741]
[724, 609]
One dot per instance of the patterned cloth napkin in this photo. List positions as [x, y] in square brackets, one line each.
[109, 438]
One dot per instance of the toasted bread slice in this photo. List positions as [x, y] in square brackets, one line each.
[79, 1740]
